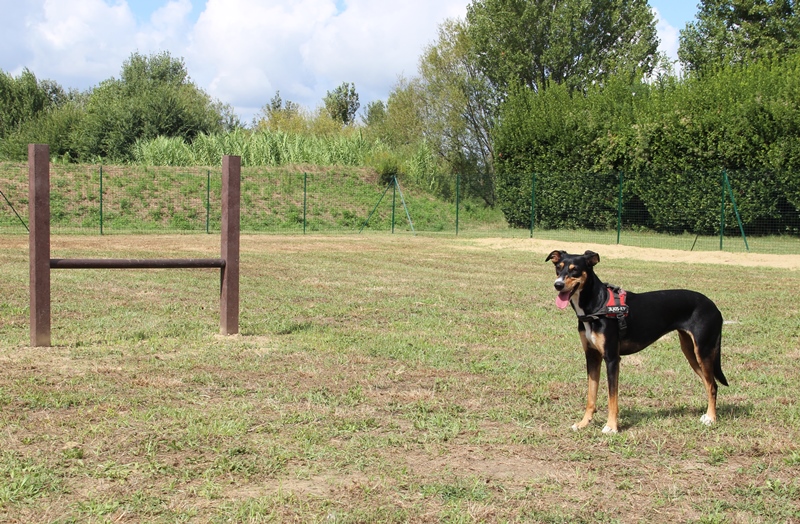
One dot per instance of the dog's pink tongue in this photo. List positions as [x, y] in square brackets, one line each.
[562, 300]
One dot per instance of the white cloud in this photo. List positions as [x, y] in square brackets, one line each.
[240, 51]
[167, 29]
[245, 50]
[71, 40]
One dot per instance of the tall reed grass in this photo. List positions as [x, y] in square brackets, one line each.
[278, 148]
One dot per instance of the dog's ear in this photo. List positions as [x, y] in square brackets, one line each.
[592, 258]
[555, 256]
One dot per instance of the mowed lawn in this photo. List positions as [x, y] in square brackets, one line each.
[383, 378]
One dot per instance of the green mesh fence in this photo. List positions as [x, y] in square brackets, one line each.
[605, 208]
[708, 210]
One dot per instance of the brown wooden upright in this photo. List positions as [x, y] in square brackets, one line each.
[229, 293]
[39, 239]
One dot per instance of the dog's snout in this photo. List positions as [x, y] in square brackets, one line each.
[558, 284]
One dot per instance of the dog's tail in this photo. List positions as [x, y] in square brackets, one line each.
[718, 374]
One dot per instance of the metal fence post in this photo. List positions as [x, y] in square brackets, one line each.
[394, 198]
[619, 207]
[305, 200]
[458, 198]
[208, 200]
[533, 200]
[727, 182]
[722, 212]
[101, 199]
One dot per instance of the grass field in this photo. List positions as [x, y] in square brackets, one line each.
[385, 379]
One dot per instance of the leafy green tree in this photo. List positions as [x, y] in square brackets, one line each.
[459, 114]
[280, 115]
[572, 42]
[404, 124]
[153, 97]
[342, 103]
[24, 98]
[374, 114]
[729, 32]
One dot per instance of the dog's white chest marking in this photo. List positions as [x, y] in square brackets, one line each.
[591, 336]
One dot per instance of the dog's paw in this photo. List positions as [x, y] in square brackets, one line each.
[705, 419]
[575, 427]
[609, 430]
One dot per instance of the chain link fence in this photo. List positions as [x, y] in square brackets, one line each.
[132, 199]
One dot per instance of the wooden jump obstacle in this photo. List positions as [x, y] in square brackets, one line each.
[41, 263]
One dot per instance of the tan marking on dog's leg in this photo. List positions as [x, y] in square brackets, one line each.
[706, 372]
[612, 425]
[593, 362]
[687, 346]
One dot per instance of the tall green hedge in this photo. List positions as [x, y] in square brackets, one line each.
[671, 138]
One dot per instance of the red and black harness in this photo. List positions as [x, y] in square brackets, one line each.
[615, 307]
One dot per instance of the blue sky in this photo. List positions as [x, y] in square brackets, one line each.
[676, 12]
[243, 51]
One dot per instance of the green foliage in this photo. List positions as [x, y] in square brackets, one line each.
[153, 97]
[672, 139]
[24, 98]
[459, 109]
[56, 127]
[280, 115]
[387, 166]
[572, 42]
[729, 32]
[374, 114]
[257, 148]
[342, 103]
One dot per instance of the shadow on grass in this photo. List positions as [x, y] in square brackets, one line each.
[634, 417]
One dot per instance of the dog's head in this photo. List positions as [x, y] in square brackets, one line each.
[572, 272]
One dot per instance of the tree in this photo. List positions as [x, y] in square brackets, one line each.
[729, 32]
[374, 114]
[459, 113]
[24, 98]
[342, 103]
[578, 43]
[153, 97]
[404, 122]
[280, 115]
[277, 104]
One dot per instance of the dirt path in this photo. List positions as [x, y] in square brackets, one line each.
[649, 254]
[176, 245]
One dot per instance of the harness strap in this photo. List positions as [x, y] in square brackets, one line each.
[615, 308]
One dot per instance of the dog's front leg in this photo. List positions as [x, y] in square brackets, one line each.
[593, 363]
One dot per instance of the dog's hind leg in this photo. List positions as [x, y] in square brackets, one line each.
[687, 345]
[703, 364]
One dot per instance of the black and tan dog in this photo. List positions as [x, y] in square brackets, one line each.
[612, 323]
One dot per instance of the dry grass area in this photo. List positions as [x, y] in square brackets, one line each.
[385, 379]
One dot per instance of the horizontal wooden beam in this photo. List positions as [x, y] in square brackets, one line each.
[130, 263]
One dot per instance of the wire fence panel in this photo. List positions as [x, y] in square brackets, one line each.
[139, 200]
[710, 210]
[701, 210]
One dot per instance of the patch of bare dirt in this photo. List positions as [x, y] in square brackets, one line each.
[208, 245]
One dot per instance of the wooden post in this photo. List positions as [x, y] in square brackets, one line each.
[39, 241]
[229, 293]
